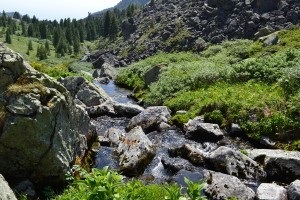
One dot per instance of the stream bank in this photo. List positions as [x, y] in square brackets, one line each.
[145, 146]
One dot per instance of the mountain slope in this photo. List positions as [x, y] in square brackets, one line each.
[125, 3]
[188, 24]
[122, 5]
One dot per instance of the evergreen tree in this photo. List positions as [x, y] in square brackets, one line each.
[113, 29]
[30, 31]
[76, 44]
[47, 47]
[41, 52]
[56, 36]
[69, 47]
[69, 35]
[30, 47]
[24, 33]
[43, 30]
[26, 18]
[4, 19]
[62, 46]
[7, 37]
[38, 51]
[106, 25]
[81, 31]
[34, 20]
[17, 15]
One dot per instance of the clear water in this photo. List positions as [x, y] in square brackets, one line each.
[116, 93]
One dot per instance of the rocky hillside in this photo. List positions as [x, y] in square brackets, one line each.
[122, 5]
[125, 3]
[188, 24]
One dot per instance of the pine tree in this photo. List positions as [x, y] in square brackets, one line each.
[113, 29]
[26, 18]
[47, 47]
[81, 31]
[24, 33]
[30, 47]
[41, 52]
[4, 19]
[106, 25]
[17, 15]
[69, 35]
[38, 51]
[76, 44]
[62, 47]
[7, 37]
[43, 30]
[30, 31]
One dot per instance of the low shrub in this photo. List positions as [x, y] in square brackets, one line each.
[107, 184]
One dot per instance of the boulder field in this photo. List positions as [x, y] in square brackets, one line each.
[44, 123]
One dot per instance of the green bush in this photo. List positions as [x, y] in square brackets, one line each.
[106, 184]
[215, 116]
[59, 70]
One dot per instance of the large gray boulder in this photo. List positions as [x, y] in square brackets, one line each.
[127, 109]
[152, 74]
[106, 70]
[280, 165]
[6, 192]
[222, 4]
[293, 190]
[222, 186]
[266, 5]
[40, 124]
[192, 152]
[135, 152]
[151, 119]
[271, 191]
[196, 130]
[85, 91]
[226, 160]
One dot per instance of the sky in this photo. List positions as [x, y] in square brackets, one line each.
[56, 9]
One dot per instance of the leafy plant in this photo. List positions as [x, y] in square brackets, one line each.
[107, 184]
[194, 189]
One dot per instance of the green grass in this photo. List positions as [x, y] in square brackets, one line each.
[233, 82]
[53, 66]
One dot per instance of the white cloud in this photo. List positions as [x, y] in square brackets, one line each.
[56, 9]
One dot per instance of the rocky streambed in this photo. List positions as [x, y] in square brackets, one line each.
[45, 125]
[140, 142]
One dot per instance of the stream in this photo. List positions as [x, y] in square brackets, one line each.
[163, 141]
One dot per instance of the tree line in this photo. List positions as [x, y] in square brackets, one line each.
[67, 35]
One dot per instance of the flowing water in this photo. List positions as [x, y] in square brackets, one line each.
[116, 93]
[162, 141]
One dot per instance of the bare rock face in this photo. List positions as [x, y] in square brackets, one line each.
[39, 123]
[151, 119]
[6, 192]
[221, 186]
[86, 92]
[280, 165]
[196, 130]
[226, 160]
[136, 152]
[294, 190]
[271, 191]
